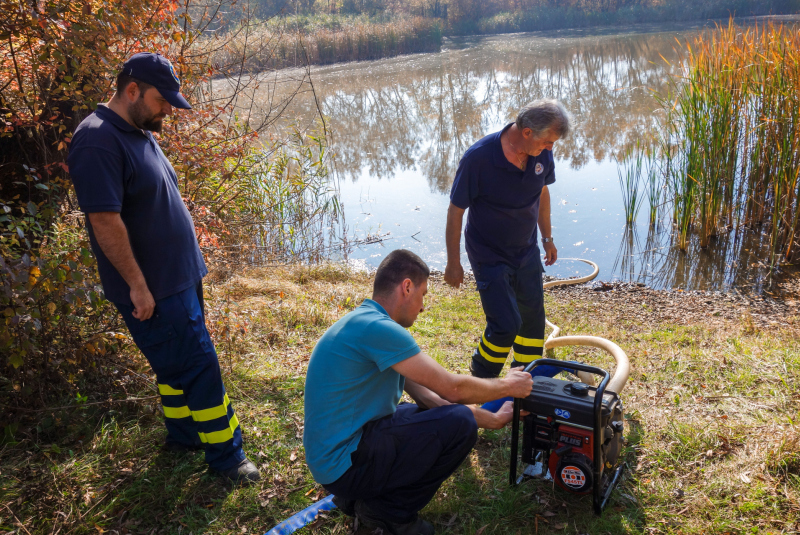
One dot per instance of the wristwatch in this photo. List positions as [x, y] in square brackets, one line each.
[547, 240]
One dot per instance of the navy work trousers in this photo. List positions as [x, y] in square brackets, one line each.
[402, 459]
[197, 410]
[513, 301]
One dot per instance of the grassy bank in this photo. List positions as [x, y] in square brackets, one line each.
[712, 442]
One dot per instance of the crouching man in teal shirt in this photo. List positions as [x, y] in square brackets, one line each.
[383, 461]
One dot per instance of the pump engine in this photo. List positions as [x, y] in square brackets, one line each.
[573, 433]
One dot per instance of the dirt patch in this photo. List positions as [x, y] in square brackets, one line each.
[637, 302]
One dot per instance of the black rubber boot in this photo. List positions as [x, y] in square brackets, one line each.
[372, 520]
[480, 367]
[245, 473]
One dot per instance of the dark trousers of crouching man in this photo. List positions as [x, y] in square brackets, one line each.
[403, 459]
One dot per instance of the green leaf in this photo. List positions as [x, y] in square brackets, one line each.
[15, 360]
[32, 208]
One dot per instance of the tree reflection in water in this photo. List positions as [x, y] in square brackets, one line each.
[424, 111]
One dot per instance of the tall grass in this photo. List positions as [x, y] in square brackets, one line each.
[732, 145]
[290, 211]
[637, 170]
[294, 43]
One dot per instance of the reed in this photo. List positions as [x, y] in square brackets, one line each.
[630, 176]
[733, 137]
[269, 45]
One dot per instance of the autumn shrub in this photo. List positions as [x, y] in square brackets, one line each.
[58, 60]
[55, 320]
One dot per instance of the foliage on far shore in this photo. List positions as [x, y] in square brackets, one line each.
[322, 40]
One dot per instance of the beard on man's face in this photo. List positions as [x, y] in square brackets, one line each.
[143, 118]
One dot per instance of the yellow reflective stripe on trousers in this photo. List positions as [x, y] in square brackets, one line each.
[490, 358]
[177, 412]
[529, 342]
[519, 357]
[215, 437]
[494, 347]
[166, 390]
[213, 413]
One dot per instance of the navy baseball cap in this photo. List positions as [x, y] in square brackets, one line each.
[156, 70]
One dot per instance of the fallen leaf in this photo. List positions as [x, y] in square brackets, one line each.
[548, 514]
[559, 526]
[293, 456]
[745, 478]
[480, 530]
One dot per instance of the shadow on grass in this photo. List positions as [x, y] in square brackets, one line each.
[78, 470]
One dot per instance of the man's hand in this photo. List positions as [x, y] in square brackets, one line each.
[454, 274]
[550, 254]
[143, 303]
[519, 382]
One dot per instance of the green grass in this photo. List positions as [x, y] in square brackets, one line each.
[711, 413]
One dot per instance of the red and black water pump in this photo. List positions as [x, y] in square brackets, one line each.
[572, 434]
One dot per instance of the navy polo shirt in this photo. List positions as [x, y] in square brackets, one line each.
[116, 167]
[503, 201]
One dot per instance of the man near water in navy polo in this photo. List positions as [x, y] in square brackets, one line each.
[382, 461]
[149, 260]
[503, 179]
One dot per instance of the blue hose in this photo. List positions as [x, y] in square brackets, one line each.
[303, 518]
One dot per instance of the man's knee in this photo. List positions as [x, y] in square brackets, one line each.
[463, 420]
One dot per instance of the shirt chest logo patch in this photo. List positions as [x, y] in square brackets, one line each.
[539, 168]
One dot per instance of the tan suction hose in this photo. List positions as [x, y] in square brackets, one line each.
[623, 370]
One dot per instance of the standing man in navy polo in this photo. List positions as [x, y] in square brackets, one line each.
[503, 180]
[149, 261]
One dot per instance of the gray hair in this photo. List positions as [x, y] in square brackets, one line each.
[543, 115]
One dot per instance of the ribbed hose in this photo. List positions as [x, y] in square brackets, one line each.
[623, 370]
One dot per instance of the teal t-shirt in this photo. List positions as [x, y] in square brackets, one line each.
[350, 382]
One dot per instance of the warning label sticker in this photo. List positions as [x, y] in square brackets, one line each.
[573, 476]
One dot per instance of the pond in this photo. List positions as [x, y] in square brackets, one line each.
[399, 126]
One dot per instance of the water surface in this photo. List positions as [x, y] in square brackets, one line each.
[399, 127]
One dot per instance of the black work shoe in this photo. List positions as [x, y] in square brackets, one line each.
[372, 520]
[179, 447]
[346, 506]
[480, 370]
[245, 473]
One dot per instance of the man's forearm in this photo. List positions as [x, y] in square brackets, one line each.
[112, 237]
[424, 397]
[455, 219]
[428, 399]
[544, 214]
[469, 389]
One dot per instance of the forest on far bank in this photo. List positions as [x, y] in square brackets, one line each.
[463, 17]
